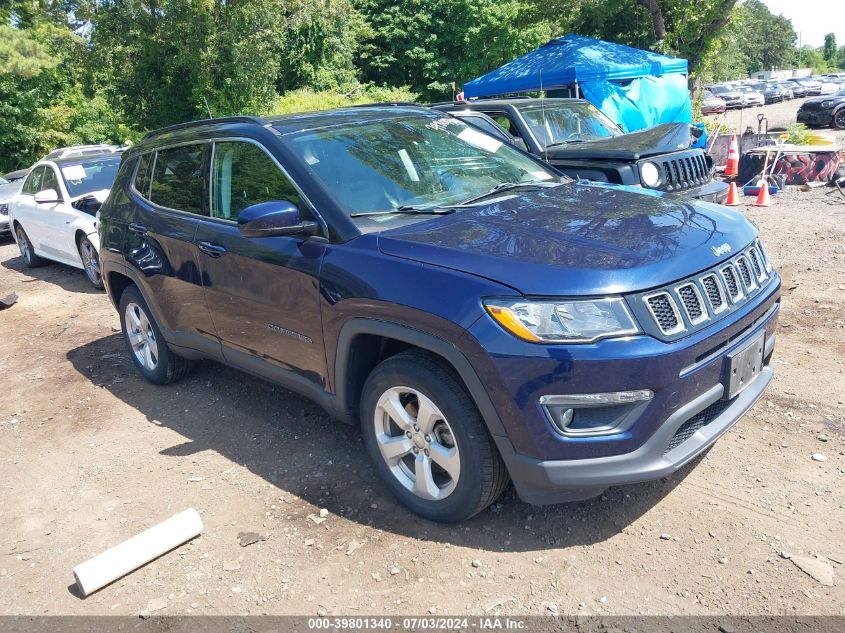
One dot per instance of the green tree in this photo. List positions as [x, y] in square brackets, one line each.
[830, 47]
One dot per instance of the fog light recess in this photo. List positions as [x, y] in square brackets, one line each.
[584, 415]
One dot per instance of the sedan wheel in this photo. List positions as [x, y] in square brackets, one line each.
[839, 120]
[23, 245]
[142, 338]
[417, 443]
[90, 262]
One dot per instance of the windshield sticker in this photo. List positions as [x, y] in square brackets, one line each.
[74, 172]
[480, 139]
[541, 175]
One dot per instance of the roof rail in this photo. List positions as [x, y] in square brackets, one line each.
[188, 124]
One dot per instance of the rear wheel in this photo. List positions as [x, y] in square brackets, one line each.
[427, 439]
[90, 262]
[146, 346]
[27, 251]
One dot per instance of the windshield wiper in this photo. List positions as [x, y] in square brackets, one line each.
[558, 144]
[506, 186]
[406, 209]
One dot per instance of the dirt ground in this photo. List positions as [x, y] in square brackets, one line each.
[92, 454]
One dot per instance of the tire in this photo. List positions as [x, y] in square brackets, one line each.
[838, 119]
[453, 433]
[30, 259]
[146, 346]
[90, 261]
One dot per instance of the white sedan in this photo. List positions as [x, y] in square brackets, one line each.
[54, 215]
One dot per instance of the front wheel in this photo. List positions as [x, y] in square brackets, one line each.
[427, 439]
[90, 262]
[149, 351]
[839, 119]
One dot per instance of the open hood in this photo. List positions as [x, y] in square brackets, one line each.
[661, 139]
[577, 239]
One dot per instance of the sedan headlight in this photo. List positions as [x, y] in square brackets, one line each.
[564, 321]
[4, 209]
[649, 174]
[827, 105]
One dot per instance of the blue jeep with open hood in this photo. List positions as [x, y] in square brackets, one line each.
[482, 318]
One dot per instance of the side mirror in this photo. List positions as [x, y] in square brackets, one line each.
[47, 196]
[277, 217]
[517, 141]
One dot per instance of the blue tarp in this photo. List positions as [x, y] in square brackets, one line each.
[635, 88]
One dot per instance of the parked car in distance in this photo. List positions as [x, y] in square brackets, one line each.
[786, 89]
[76, 151]
[770, 92]
[579, 141]
[828, 87]
[752, 96]
[812, 86]
[53, 216]
[823, 110]
[711, 104]
[733, 98]
[479, 316]
[798, 89]
[8, 190]
[14, 176]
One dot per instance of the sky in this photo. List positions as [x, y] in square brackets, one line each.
[813, 18]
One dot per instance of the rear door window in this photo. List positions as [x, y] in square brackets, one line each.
[142, 176]
[180, 179]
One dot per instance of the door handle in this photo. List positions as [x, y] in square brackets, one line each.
[212, 250]
[138, 228]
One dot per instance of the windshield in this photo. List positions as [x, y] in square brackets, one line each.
[414, 160]
[89, 175]
[558, 123]
[3, 181]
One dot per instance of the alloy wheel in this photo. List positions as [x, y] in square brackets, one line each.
[839, 119]
[23, 244]
[417, 443]
[90, 261]
[141, 336]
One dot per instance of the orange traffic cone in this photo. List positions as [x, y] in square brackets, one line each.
[733, 196]
[763, 199]
[732, 166]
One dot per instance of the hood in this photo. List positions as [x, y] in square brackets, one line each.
[7, 192]
[576, 239]
[822, 98]
[661, 139]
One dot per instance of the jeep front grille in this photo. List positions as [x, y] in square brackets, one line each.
[689, 304]
[684, 171]
[665, 313]
[715, 294]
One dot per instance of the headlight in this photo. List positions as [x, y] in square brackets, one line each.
[649, 174]
[827, 105]
[576, 321]
[4, 209]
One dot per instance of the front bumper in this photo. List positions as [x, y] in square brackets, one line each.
[713, 191]
[686, 415]
[555, 481]
[817, 117]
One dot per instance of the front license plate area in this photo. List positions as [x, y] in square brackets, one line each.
[744, 366]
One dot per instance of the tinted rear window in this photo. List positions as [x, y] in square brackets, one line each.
[179, 178]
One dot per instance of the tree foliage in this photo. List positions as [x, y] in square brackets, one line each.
[74, 71]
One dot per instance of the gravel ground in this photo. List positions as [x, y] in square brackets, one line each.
[90, 454]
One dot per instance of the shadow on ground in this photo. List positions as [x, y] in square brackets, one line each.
[66, 277]
[292, 444]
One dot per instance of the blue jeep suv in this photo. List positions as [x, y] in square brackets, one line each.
[482, 318]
